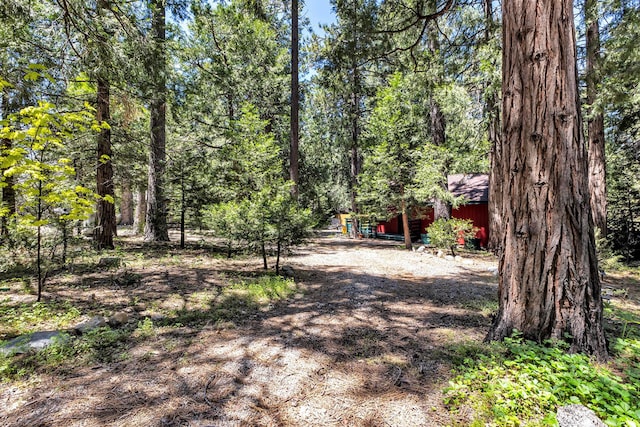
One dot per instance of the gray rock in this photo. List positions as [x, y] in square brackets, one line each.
[449, 257]
[35, 341]
[156, 317]
[440, 254]
[287, 271]
[578, 416]
[421, 249]
[88, 325]
[109, 262]
[118, 319]
[458, 258]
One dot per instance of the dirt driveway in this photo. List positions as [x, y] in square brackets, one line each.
[367, 340]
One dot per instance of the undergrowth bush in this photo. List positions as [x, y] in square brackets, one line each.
[523, 383]
[444, 233]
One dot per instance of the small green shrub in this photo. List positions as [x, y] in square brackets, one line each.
[526, 382]
[145, 329]
[444, 234]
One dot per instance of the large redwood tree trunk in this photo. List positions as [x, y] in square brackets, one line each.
[155, 228]
[596, 143]
[549, 285]
[105, 210]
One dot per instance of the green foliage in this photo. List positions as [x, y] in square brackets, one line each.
[445, 233]
[388, 178]
[258, 209]
[145, 329]
[43, 178]
[619, 99]
[523, 383]
[29, 317]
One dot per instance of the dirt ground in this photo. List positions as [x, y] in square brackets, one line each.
[366, 340]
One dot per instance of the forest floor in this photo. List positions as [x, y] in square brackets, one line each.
[367, 336]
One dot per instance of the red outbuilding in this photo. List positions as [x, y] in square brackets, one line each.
[475, 190]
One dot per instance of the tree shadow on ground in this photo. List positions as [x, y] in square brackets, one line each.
[342, 351]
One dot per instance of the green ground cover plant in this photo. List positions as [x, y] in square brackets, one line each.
[520, 382]
[29, 317]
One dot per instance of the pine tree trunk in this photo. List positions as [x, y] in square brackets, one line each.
[183, 209]
[295, 101]
[596, 145]
[549, 286]
[105, 211]
[140, 212]
[492, 116]
[355, 130]
[126, 203]
[405, 226]
[156, 229]
[355, 170]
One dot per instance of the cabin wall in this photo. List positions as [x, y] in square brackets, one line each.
[477, 213]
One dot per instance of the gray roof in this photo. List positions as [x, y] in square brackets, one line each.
[474, 187]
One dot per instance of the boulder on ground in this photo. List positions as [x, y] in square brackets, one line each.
[287, 271]
[88, 325]
[120, 318]
[109, 262]
[35, 341]
[578, 416]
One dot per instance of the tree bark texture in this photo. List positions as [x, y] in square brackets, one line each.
[126, 203]
[492, 117]
[140, 211]
[295, 101]
[156, 229]
[549, 286]
[105, 211]
[356, 164]
[596, 141]
[405, 226]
